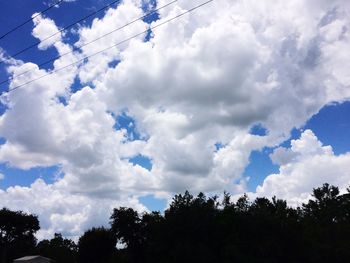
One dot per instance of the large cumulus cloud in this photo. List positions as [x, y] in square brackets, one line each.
[303, 166]
[201, 81]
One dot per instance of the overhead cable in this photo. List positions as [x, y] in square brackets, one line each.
[113, 46]
[90, 42]
[94, 13]
[30, 19]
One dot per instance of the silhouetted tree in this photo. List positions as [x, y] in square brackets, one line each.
[17, 231]
[321, 221]
[201, 229]
[96, 245]
[324, 209]
[189, 230]
[126, 226]
[60, 249]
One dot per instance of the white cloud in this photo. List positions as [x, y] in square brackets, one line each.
[43, 30]
[2, 176]
[204, 79]
[113, 19]
[307, 145]
[8, 60]
[62, 212]
[312, 164]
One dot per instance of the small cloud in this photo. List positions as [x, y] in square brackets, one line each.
[2, 176]
[51, 2]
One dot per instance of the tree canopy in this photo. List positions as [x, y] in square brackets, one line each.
[200, 229]
[60, 249]
[96, 245]
[17, 231]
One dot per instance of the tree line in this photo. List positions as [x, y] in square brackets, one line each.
[199, 229]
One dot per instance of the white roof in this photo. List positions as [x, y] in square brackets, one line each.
[29, 258]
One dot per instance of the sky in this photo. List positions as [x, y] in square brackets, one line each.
[241, 96]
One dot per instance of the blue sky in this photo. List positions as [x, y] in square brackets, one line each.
[63, 16]
[174, 110]
[331, 125]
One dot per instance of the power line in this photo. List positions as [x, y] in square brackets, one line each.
[115, 45]
[63, 29]
[30, 19]
[90, 42]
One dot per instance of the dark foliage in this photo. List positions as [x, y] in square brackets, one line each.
[59, 249]
[17, 231]
[97, 245]
[202, 229]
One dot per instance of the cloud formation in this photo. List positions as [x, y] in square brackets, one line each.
[305, 165]
[61, 211]
[200, 81]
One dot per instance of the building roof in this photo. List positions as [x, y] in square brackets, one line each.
[30, 258]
